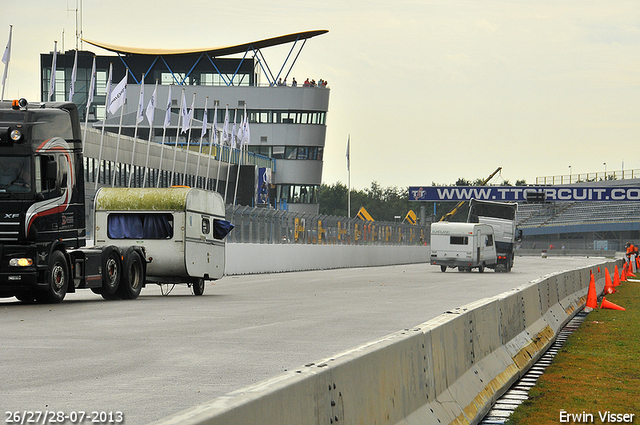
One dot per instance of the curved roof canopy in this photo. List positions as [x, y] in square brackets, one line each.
[218, 51]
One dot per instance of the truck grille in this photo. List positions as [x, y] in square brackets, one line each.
[9, 231]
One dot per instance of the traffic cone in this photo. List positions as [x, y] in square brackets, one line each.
[616, 277]
[592, 296]
[610, 305]
[624, 274]
[608, 285]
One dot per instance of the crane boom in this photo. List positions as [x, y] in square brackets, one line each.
[459, 205]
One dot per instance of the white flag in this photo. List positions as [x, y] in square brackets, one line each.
[167, 114]
[92, 86]
[225, 127]
[72, 88]
[348, 160]
[233, 131]
[186, 122]
[204, 119]
[6, 58]
[214, 128]
[151, 106]
[118, 95]
[140, 115]
[7, 50]
[240, 137]
[246, 133]
[52, 83]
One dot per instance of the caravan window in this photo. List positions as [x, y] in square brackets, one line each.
[140, 226]
[206, 226]
[459, 240]
[489, 240]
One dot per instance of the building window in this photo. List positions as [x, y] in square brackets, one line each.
[291, 152]
[297, 194]
[278, 152]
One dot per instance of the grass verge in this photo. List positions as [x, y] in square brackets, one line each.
[596, 371]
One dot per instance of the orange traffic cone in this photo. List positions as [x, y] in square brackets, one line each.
[624, 274]
[616, 277]
[608, 286]
[610, 305]
[592, 296]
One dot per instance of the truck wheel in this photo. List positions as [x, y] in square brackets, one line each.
[198, 287]
[132, 278]
[57, 276]
[111, 273]
[481, 268]
[443, 269]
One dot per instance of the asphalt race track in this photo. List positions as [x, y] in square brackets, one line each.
[159, 354]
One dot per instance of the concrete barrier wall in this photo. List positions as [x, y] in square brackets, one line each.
[247, 258]
[449, 370]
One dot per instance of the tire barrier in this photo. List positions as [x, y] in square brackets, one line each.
[449, 370]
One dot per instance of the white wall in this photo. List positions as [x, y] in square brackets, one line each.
[246, 258]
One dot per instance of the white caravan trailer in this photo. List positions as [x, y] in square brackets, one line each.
[463, 245]
[182, 230]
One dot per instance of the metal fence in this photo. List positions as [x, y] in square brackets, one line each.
[265, 225]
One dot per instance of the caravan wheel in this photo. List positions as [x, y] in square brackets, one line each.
[198, 287]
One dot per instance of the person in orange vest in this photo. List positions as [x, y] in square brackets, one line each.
[632, 251]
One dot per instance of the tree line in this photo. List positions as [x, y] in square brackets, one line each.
[385, 203]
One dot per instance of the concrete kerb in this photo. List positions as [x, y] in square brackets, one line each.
[450, 369]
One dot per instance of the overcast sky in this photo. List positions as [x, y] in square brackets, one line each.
[429, 91]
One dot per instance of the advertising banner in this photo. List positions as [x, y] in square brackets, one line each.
[519, 193]
[264, 182]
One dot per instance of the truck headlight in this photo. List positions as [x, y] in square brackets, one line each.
[20, 262]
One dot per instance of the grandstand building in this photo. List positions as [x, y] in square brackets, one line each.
[287, 122]
[582, 225]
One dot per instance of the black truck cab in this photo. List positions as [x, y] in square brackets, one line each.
[41, 194]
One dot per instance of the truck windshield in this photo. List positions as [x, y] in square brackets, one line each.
[15, 174]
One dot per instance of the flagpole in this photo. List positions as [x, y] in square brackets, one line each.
[6, 58]
[204, 131]
[241, 141]
[113, 183]
[212, 139]
[186, 155]
[349, 177]
[52, 81]
[152, 105]
[139, 114]
[219, 156]
[104, 124]
[223, 140]
[231, 145]
[72, 87]
[175, 149]
[167, 121]
[89, 100]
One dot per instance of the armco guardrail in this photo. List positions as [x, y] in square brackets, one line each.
[449, 370]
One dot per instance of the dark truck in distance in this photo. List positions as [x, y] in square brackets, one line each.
[502, 217]
[43, 253]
